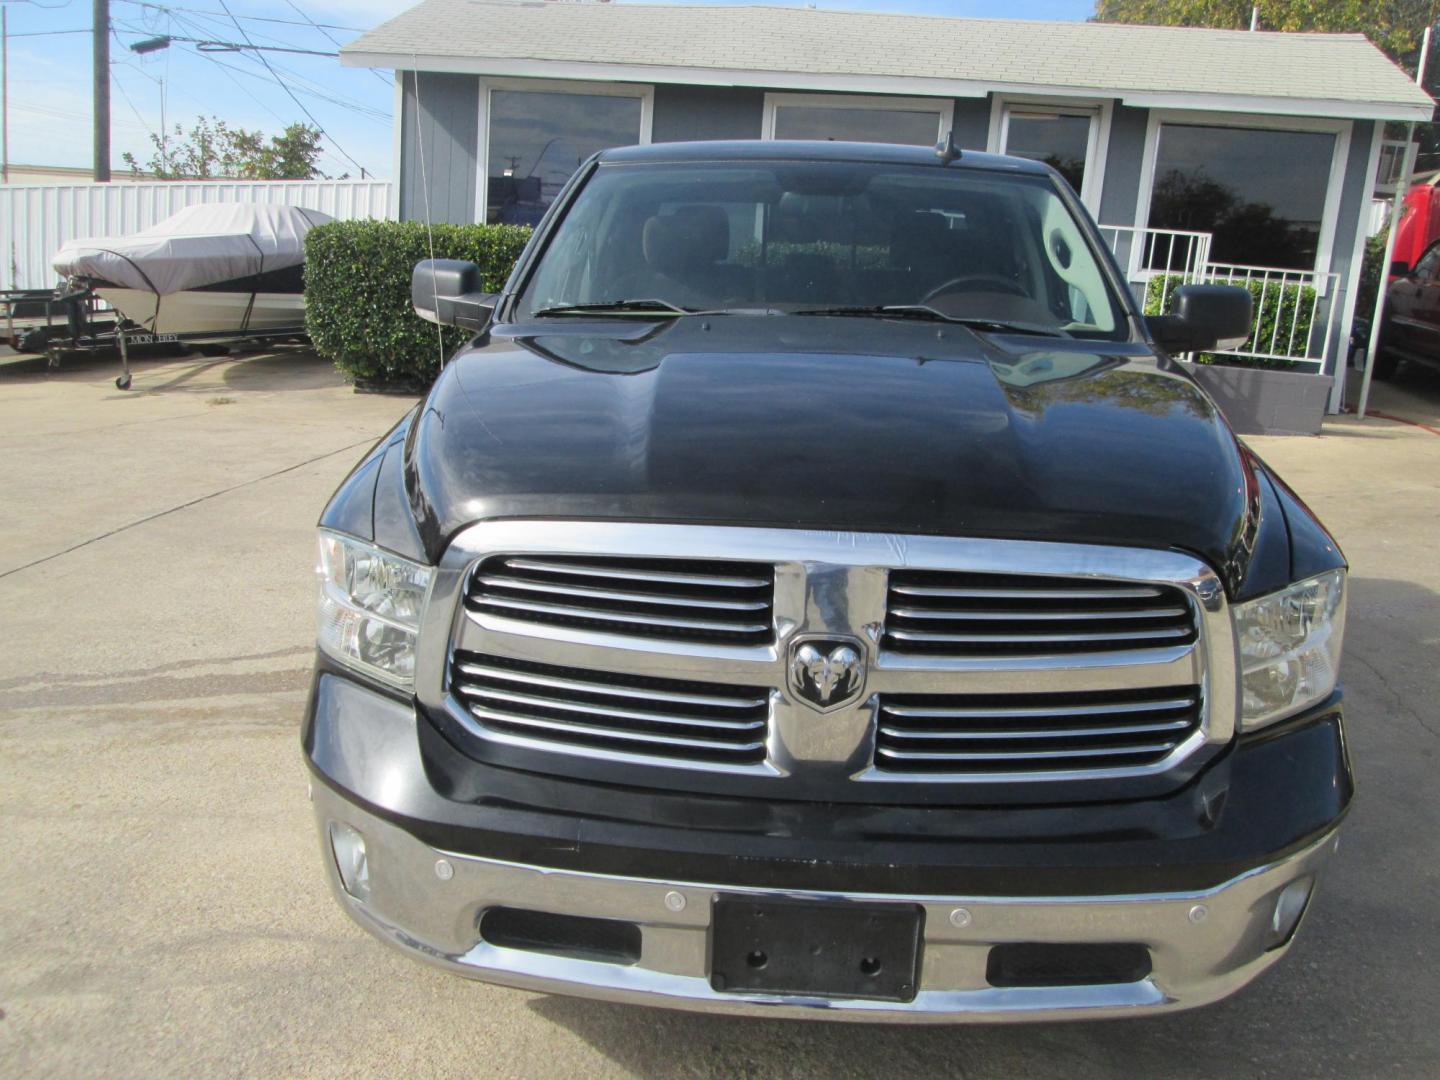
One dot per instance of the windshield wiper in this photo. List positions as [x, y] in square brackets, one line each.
[617, 307]
[925, 311]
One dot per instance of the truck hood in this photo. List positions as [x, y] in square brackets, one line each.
[831, 423]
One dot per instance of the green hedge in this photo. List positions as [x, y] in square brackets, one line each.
[1291, 295]
[357, 293]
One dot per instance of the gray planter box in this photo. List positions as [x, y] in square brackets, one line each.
[1261, 402]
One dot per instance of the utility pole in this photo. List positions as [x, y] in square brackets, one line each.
[102, 90]
[4, 97]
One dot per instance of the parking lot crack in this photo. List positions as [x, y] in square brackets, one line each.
[1398, 698]
[367, 441]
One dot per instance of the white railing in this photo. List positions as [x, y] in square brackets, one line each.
[36, 219]
[1288, 311]
[1289, 304]
[1176, 256]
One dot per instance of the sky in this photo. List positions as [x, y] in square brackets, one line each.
[50, 56]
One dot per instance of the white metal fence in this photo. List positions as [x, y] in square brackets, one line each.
[1292, 312]
[1294, 309]
[36, 219]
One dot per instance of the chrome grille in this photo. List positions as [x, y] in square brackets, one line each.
[969, 614]
[1039, 732]
[576, 653]
[667, 719]
[676, 599]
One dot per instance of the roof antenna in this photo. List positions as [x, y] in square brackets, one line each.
[946, 150]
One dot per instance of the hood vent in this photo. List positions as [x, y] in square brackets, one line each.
[689, 600]
[941, 613]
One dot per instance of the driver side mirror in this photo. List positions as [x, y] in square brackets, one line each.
[448, 292]
[1206, 317]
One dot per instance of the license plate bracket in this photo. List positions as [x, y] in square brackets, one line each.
[817, 948]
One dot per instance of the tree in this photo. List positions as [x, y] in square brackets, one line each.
[212, 148]
[1395, 25]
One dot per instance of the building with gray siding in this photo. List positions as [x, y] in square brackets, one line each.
[1199, 152]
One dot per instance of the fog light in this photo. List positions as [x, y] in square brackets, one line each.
[1289, 906]
[349, 848]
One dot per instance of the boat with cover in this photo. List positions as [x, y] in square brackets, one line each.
[212, 270]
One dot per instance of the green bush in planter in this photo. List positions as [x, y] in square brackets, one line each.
[1284, 311]
[357, 293]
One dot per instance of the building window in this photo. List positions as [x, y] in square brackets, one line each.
[537, 138]
[1261, 193]
[850, 118]
[1061, 140]
[1070, 138]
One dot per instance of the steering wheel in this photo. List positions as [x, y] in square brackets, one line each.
[967, 281]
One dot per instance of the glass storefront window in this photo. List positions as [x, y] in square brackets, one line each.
[1261, 193]
[538, 138]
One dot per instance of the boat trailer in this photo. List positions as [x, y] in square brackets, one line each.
[63, 324]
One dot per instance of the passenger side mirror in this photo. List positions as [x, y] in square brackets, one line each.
[1206, 317]
[447, 291]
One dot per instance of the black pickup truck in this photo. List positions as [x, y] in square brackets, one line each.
[816, 591]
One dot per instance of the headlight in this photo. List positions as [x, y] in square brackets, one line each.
[370, 607]
[1290, 648]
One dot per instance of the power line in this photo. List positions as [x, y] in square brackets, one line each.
[247, 18]
[333, 40]
[51, 33]
[300, 104]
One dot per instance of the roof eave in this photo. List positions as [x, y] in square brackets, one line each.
[1411, 109]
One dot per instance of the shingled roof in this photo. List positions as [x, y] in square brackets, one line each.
[806, 48]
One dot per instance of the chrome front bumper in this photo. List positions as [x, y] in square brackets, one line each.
[428, 903]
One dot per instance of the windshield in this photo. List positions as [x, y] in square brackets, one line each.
[814, 237]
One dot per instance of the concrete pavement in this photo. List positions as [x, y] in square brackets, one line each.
[162, 910]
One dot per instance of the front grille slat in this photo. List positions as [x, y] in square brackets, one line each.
[1034, 616]
[535, 607]
[564, 708]
[584, 569]
[589, 709]
[1037, 732]
[648, 694]
[963, 614]
[572, 731]
[584, 592]
[1012, 756]
[711, 601]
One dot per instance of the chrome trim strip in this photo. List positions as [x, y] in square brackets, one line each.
[602, 615]
[497, 582]
[624, 573]
[643, 693]
[564, 705]
[1100, 708]
[827, 584]
[1014, 615]
[1022, 755]
[977, 593]
[685, 741]
[1021, 639]
[1029, 733]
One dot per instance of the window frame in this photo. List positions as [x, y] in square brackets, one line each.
[644, 91]
[944, 108]
[1335, 181]
[1101, 113]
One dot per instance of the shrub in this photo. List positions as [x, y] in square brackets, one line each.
[357, 293]
[1281, 309]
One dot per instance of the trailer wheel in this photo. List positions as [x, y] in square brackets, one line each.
[122, 382]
